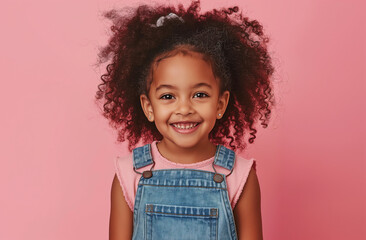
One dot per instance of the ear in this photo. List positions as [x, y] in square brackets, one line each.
[222, 104]
[147, 107]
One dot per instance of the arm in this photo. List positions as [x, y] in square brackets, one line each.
[121, 216]
[247, 211]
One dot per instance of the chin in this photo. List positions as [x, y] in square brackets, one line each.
[186, 143]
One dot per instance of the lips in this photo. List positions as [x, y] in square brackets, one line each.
[185, 125]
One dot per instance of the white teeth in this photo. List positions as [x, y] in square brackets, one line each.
[185, 126]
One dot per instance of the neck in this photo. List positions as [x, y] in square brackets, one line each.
[197, 153]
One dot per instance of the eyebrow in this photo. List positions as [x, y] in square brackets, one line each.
[173, 87]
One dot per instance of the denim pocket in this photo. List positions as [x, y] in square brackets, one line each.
[180, 222]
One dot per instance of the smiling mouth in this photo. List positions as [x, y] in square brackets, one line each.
[189, 125]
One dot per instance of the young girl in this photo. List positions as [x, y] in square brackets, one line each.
[187, 86]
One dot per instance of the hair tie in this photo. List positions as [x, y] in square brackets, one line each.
[162, 19]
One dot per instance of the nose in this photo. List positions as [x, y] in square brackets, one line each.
[184, 106]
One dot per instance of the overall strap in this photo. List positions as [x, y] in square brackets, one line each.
[224, 157]
[142, 156]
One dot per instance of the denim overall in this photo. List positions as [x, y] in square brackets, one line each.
[183, 204]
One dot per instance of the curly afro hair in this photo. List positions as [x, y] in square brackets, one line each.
[234, 46]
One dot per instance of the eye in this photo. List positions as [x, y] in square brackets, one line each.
[167, 96]
[201, 95]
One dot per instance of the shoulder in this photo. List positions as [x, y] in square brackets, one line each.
[249, 184]
[124, 167]
[239, 177]
[126, 176]
[124, 161]
[247, 211]
[124, 164]
[243, 164]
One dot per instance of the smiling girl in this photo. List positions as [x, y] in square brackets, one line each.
[187, 86]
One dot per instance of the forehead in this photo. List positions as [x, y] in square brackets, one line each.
[183, 71]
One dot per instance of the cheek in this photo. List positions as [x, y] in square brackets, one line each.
[208, 111]
[161, 113]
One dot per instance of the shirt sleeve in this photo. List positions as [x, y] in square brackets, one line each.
[240, 175]
[125, 175]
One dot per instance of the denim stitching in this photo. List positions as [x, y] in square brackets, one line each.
[225, 157]
[140, 184]
[142, 156]
[181, 214]
[230, 217]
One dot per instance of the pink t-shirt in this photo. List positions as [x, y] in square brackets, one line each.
[129, 179]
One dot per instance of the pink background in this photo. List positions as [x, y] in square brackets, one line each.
[57, 151]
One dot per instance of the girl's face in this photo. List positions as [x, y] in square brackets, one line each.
[184, 100]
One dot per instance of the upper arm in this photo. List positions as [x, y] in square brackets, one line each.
[247, 211]
[121, 216]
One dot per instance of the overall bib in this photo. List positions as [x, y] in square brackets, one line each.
[183, 204]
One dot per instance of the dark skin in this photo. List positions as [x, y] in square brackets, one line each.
[121, 216]
[247, 212]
